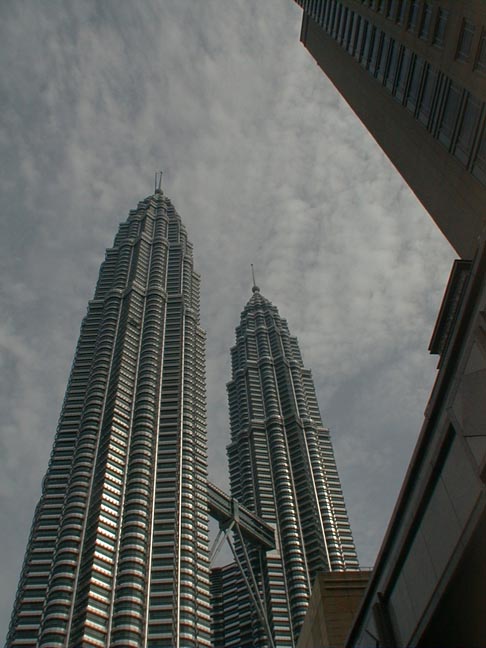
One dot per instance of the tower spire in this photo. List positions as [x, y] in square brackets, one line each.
[158, 181]
[255, 288]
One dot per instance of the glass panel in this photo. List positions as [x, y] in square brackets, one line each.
[479, 167]
[368, 46]
[382, 58]
[440, 28]
[363, 28]
[449, 116]
[330, 15]
[465, 41]
[353, 41]
[415, 82]
[350, 35]
[402, 10]
[337, 18]
[402, 74]
[467, 130]
[426, 20]
[391, 72]
[342, 25]
[413, 16]
[320, 13]
[481, 58]
[390, 10]
[375, 54]
[428, 94]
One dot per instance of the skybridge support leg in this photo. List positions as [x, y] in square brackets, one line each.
[252, 586]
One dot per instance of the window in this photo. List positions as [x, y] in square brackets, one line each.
[368, 45]
[402, 74]
[426, 21]
[467, 129]
[330, 8]
[336, 20]
[481, 55]
[376, 52]
[394, 57]
[352, 33]
[402, 6]
[343, 25]
[363, 29]
[382, 59]
[413, 16]
[428, 95]
[390, 9]
[440, 28]
[465, 41]
[449, 114]
[479, 166]
[415, 82]
[331, 16]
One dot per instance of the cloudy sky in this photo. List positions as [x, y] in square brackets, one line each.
[266, 165]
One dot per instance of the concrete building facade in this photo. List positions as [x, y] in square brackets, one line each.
[428, 585]
[336, 597]
[414, 72]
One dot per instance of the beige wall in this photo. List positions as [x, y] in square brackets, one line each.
[335, 599]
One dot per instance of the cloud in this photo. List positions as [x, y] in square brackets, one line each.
[266, 165]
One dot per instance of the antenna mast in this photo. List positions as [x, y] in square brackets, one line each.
[255, 287]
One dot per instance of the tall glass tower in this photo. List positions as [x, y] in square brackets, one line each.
[118, 551]
[282, 468]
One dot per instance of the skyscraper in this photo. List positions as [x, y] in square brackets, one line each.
[282, 467]
[414, 71]
[118, 551]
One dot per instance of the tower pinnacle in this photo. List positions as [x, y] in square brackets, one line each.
[158, 181]
[255, 288]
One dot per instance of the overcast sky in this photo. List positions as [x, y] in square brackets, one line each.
[266, 165]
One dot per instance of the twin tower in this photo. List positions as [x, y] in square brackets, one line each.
[119, 553]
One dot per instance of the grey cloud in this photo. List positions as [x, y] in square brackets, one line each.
[266, 165]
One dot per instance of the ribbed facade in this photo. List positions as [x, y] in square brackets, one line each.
[118, 551]
[231, 608]
[414, 72]
[445, 109]
[282, 467]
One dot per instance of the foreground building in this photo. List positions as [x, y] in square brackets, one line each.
[414, 72]
[118, 552]
[428, 585]
[282, 468]
[336, 597]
